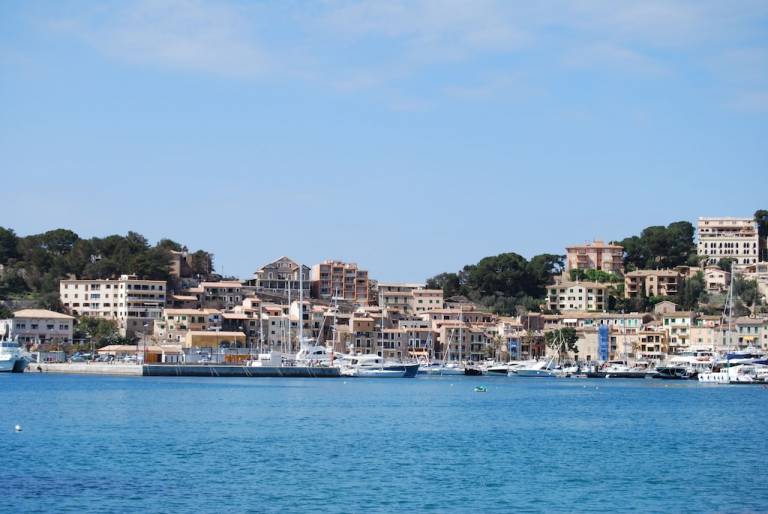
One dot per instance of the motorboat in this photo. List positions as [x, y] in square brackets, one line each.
[372, 373]
[676, 373]
[367, 364]
[698, 360]
[498, 369]
[539, 369]
[618, 369]
[449, 369]
[11, 357]
[513, 367]
[739, 374]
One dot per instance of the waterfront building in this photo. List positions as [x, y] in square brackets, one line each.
[595, 255]
[135, 304]
[715, 279]
[728, 237]
[629, 323]
[214, 339]
[651, 283]
[420, 338]
[664, 307]
[341, 280]
[38, 326]
[461, 341]
[222, 295]
[759, 273]
[151, 354]
[280, 276]
[678, 327]
[751, 332]
[424, 300]
[652, 345]
[578, 296]
[174, 324]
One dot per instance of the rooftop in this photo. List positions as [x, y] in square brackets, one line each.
[40, 314]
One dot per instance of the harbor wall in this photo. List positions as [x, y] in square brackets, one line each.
[208, 370]
[84, 368]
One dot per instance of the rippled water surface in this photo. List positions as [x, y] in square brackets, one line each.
[427, 444]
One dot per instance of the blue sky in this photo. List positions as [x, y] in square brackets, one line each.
[412, 137]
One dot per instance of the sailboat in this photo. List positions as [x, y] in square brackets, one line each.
[447, 368]
[374, 366]
[310, 352]
[735, 369]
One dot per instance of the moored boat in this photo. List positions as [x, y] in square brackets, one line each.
[11, 358]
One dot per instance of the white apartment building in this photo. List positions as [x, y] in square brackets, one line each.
[32, 326]
[734, 238]
[130, 301]
[424, 300]
[578, 296]
[409, 298]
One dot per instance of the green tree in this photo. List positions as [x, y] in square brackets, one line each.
[5, 313]
[747, 291]
[660, 247]
[691, 292]
[169, 244]
[8, 245]
[761, 217]
[50, 301]
[593, 275]
[201, 263]
[504, 282]
[100, 331]
[725, 264]
[153, 264]
[562, 340]
[448, 282]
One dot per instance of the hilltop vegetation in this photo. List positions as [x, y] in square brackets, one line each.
[508, 282]
[34, 264]
[502, 283]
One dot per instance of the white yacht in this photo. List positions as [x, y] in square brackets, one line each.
[11, 358]
[538, 369]
[437, 369]
[374, 366]
[739, 374]
[513, 367]
[499, 368]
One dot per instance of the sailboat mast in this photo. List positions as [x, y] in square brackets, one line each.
[382, 338]
[461, 331]
[288, 284]
[301, 307]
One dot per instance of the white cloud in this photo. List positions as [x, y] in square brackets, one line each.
[180, 34]
[383, 44]
[607, 56]
[755, 102]
[428, 29]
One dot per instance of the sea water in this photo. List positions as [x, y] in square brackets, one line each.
[433, 444]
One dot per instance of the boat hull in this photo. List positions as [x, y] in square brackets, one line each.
[378, 373]
[535, 373]
[7, 365]
[409, 370]
[675, 374]
[617, 374]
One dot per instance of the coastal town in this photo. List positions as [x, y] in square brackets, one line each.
[204, 318]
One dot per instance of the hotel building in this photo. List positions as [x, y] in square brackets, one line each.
[733, 238]
[130, 301]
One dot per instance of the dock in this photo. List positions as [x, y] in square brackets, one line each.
[215, 370]
[182, 370]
